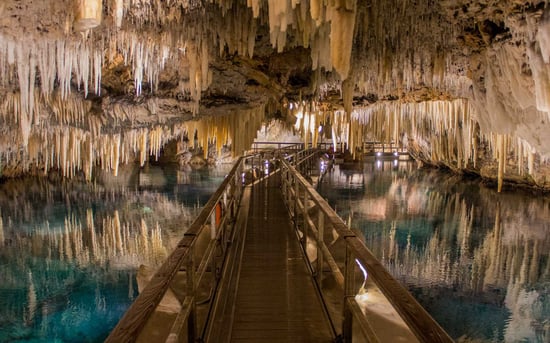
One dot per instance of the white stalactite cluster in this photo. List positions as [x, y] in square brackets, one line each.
[72, 149]
[401, 45]
[447, 129]
[308, 117]
[389, 49]
[148, 54]
[58, 61]
[61, 63]
[326, 27]
[513, 102]
[237, 129]
[445, 126]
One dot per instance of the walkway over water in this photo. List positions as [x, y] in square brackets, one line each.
[268, 260]
[275, 299]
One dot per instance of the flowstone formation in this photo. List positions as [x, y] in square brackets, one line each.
[90, 84]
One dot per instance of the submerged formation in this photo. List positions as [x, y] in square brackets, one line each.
[90, 84]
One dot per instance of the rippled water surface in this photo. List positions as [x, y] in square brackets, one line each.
[69, 251]
[477, 260]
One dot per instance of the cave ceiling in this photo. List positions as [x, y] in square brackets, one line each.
[112, 66]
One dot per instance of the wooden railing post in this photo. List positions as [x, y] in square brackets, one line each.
[320, 244]
[305, 220]
[191, 290]
[349, 273]
[288, 188]
[296, 198]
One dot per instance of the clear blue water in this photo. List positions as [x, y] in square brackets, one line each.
[69, 251]
[477, 260]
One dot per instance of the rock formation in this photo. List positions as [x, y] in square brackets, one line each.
[90, 84]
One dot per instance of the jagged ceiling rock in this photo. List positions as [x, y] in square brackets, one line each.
[113, 66]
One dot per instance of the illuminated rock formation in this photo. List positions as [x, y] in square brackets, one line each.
[99, 83]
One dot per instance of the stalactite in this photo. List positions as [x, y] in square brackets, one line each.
[541, 77]
[118, 12]
[501, 158]
[88, 14]
[72, 149]
[342, 17]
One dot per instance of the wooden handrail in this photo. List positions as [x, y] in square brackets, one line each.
[134, 320]
[424, 327]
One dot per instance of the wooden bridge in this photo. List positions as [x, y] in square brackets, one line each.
[268, 260]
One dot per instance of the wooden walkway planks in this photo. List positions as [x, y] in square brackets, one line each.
[276, 300]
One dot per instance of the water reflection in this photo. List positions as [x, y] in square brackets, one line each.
[70, 252]
[478, 261]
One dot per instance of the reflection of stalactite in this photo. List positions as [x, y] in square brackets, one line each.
[143, 238]
[494, 253]
[130, 286]
[91, 229]
[524, 302]
[534, 268]
[31, 301]
[158, 249]
[116, 228]
[500, 258]
[116, 241]
[393, 248]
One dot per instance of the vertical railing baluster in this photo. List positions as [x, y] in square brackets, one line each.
[349, 273]
[191, 290]
[288, 188]
[305, 220]
[320, 243]
[296, 198]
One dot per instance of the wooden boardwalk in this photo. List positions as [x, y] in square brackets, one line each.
[244, 277]
[275, 300]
